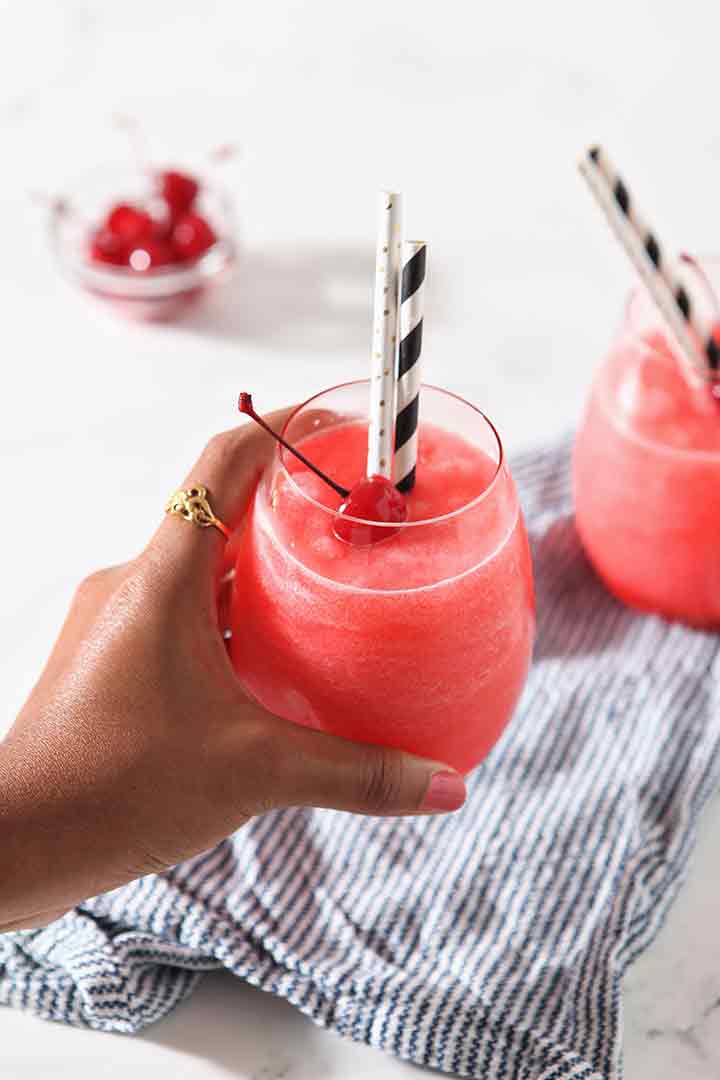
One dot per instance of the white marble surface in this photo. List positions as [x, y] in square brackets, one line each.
[477, 112]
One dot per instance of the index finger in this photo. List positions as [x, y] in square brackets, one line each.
[229, 467]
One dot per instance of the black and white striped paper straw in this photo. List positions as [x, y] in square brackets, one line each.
[643, 247]
[412, 294]
[385, 336]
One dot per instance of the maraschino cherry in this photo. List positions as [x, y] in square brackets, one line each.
[148, 254]
[133, 237]
[179, 190]
[106, 247]
[372, 499]
[129, 222]
[192, 236]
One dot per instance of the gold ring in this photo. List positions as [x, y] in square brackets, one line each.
[192, 504]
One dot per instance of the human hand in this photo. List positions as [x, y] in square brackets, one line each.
[138, 747]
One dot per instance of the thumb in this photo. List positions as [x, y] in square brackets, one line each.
[310, 768]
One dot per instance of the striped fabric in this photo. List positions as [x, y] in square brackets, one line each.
[490, 943]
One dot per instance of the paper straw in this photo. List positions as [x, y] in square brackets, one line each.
[385, 336]
[643, 247]
[412, 296]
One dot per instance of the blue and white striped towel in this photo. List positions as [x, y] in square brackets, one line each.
[490, 943]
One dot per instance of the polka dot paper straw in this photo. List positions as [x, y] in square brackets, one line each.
[643, 247]
[412, 294]
[385, 336]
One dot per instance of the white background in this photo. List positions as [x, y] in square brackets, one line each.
[477, 112]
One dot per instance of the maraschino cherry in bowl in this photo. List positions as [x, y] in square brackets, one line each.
[150, 241]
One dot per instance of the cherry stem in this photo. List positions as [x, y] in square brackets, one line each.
[245, 405]
[137, 140]
[226, 152]
[55, 203]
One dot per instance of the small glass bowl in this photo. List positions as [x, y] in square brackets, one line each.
[149, 294]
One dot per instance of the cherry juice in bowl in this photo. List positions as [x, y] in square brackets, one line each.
[421, 640]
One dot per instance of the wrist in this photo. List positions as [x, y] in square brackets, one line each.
[43, 868]
[24, 850]
[17, 857]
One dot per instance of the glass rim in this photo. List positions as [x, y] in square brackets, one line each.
[639, 293]
[633, 326]
[392, 525]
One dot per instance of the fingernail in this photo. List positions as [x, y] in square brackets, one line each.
[446, 791]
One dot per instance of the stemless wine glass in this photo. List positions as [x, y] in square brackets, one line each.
[421, 641]
[647, 470]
